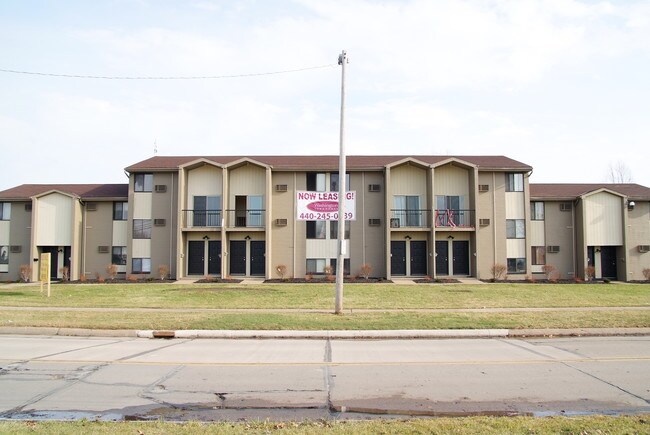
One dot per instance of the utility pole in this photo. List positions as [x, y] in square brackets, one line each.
[342, 248]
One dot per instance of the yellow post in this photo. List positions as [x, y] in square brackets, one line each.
[45, 271]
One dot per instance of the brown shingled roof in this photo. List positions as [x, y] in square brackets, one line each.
[573, 191]
[85, 191]
[327, 162]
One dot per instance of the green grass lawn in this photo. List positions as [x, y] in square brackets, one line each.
[323, 321]
[321, 296]
[468, 425]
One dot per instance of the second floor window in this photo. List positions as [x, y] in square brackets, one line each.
[407, 210]
[207, 211]
[5, 211]
[143, 183]
[537, 211]
[514, 182]
[120, 211]
[141, 228]
[515, 228]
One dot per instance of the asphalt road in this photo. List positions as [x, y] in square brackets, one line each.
[213, 379]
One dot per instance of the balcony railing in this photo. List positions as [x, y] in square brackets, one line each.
[249, 218]
[454, 218]
[401, 218]
[202, 218]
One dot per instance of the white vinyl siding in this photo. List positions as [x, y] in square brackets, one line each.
[247, 180]
[604, 219]
[120, 233]
[142, 205]
[409, 180]
[54, 220]
[450, 180]
[204, 181]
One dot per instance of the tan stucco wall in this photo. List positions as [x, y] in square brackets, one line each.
[163, 238]
[559, 231]
[638, 234]
[19, 235]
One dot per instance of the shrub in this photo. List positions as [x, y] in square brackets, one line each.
[25, 272]
[132, 278]
[83, 277]
[101, 279]
[65, 273]
[329, 271]
[499, 272]
[309, 277]
[549, 271]
[590, 272]
[281, 270]
[365, 270]
[111, 271]
[163, 272]
[646, 273]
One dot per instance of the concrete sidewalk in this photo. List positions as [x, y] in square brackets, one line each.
[324, 335]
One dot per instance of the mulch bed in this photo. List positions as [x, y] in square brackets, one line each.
[323, 280]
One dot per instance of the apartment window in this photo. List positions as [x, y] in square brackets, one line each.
[143, 182]
[316, 229]
[346, 266]
[316, 181]
[537, 211]
[141, 265]
[207, 211]
[5, 211]
[407, 210]
[334, 182]
[120, 211]
[4, 256]
[141, 228]
[119, 255]
[516, 265]
[538, 255]
[316, 265]
[514, 182]
[334, 229]
[515, 228]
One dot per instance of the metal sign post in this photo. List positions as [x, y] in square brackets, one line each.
[340, 261]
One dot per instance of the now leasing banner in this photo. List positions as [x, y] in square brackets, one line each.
[324, 206]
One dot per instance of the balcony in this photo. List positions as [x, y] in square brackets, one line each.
[454, 219]
[202, 218]
[246, 218]
[406, 218]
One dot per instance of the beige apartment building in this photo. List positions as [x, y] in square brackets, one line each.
[415, 216]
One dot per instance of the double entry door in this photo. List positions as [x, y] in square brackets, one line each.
[204, 257]
[415, 256]
[248, 252]
[459, 258]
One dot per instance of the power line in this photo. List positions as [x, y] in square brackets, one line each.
[227, 76]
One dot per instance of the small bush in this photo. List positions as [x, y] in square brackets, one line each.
[590, 272]
[25, 272]
[365, 271]
[101, 279]
[111, 271]
[132, 278]
[163, 272]
[329, 271]
[309, 277]
[83, 277]
[281, 270]
[65, 273]
[549, 271]
[499, 272]
[646, 273]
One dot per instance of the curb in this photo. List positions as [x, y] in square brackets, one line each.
[326, 335]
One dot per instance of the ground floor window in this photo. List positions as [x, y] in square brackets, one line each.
[516, 265]
[316, 265]
[538, 255]
[118, 256]
[141, 265]
[346, 266]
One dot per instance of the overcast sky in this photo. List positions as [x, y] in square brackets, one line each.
[561, 85]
